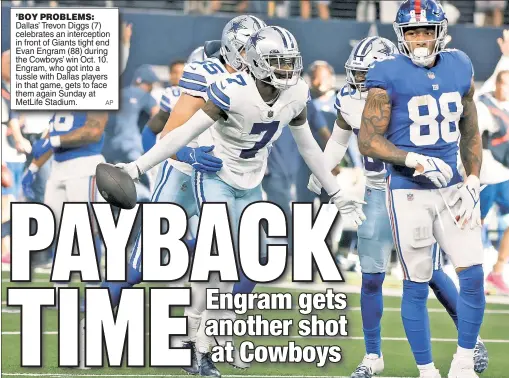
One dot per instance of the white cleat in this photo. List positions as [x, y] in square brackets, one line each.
[371, 365]
[430, 373]
[462, 367]
[237, 362]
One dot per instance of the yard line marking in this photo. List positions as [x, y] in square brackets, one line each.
[171, 376]
[340, 288]
[495, 341]
[388, 309]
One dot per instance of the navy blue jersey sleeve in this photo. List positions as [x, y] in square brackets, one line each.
[315, 118]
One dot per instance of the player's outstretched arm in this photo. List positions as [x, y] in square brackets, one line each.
[470, 142]
[311, 152]
[184, 109]
[91, 132]
[375, 121]
[335, 149]
[178, 137]
[337, 144]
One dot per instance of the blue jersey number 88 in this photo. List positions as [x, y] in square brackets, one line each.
[436, 130]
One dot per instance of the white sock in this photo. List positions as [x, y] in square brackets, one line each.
[193, 323]
[429, 366]
[467, 353]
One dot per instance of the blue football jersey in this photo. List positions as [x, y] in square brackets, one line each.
[426, 109]
[64, 123]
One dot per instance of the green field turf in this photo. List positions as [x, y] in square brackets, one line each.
[398, 359]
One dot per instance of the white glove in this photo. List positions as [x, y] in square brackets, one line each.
[314, 185]
[131, 169]
[470, 210]
[435, 169]
[349, 207]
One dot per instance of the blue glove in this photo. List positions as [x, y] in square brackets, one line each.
[148, 138]
[40, 148]
[200, 159]
[27, 181]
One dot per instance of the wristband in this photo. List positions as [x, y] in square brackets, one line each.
[54, 141]
[33, 168]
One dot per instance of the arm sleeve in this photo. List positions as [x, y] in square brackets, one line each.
[489, 85]
[174, 140]
[336, 146]
[314, 157]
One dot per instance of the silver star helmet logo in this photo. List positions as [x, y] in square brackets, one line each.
[237, 25]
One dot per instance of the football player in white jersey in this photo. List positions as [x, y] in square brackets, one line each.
[244, 114]
[375, 239]
[173, 183]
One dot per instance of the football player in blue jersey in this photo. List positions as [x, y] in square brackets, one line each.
[75, 140]
[419, 104]
[375, 239]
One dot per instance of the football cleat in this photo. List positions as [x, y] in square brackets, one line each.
[430, 373]
[462, 367]
[481, 358]
[194, 369]
[207, 367]
[371, 365]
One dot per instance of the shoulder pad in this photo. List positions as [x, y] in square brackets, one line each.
[223, 91]
[197, 76]
[379, 72]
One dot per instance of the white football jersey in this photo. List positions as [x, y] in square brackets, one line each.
[169, 98]
[196, 78]
[351, 105]
[244, 139]
[492, 171]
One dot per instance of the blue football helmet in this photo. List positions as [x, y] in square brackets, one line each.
[421, 13]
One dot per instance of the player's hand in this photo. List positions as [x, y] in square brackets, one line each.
[314, 185]
[127, 32]
[200, 158]
[40, 148]
[435, 169]
[349, 207]
[468, 192]
[131, 169]
[23, 145]
[28, 180]
[503, 43]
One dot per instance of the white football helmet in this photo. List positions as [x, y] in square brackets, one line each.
[198, 54]
[365, 53]
[234, 37]
[273, 57]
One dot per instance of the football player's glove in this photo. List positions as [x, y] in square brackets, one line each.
[435, 169]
